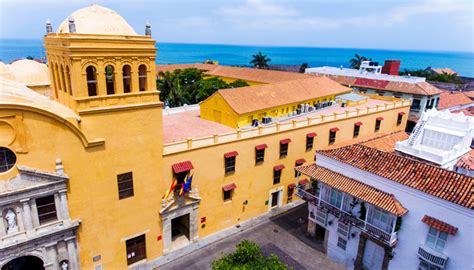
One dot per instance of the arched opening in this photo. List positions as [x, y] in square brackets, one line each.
[126, 70]
[24, 263]
[68, 78]
[56, 77]
[110, 79]
[142, 77]
[63, 79]
[91, 81]
[7, 159]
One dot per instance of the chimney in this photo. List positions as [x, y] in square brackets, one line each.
[148, 28]
[72, 25]
[391, 67]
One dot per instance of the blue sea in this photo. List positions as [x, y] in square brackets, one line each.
[172, 53]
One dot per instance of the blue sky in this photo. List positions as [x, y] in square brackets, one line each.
[437, 25]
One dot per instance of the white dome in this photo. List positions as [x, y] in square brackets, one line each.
[29, 72]
[96, 19]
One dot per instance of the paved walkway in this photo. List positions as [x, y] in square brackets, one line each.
[283, 235]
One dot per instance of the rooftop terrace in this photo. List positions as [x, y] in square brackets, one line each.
[363, 74]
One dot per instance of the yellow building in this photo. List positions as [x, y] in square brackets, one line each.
[83, 176]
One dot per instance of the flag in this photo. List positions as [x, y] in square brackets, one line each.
[167, 194]
[187, 185]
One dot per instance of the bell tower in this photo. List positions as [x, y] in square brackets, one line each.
[97, 61]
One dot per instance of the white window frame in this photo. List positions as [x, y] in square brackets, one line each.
[436, 239]
[338, 197]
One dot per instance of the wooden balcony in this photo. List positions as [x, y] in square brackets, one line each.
[432, 257]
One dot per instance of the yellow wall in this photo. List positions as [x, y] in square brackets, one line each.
[229, 80]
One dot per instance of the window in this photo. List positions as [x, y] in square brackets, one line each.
[91, 81]
[298, 162]
[342, 243]
[7, 159]
[276, 176]
[142, 77]
[356, 130]
[136, 249]
[229, 164]
[436, 239]
[426, 266]
[110, 79]
[227, 195]
[415, 105]
[332, 136]
[284, 147]
[377, 124]
[260, 153]
[310, 141]
[126, 71]
[397, 95]
[227, 191]
[335, 198]
[380, 93]
[400, 118]
[437, 102]
[125, 185]
[46, 209]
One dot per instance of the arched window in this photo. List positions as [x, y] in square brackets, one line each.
[63, 78]
[91, 81]
[142, 77]
[126, 70]
[7, 159]
[68, 78]
[110, 79]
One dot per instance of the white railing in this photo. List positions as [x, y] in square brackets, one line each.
[277, 127]
[432, 256]
[376, 232]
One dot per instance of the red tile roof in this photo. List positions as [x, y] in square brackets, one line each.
[285, 141]
[355, 188]
[449, 100]
[379, 84]
[303, 181]
[279, 167]
[469, 111]
[231, 154]
[229, 187]
[261, 146]
[300, 161]
[443, 70]
[466, 161]
[440, 225]
[447, 185]
[386, 142]
[182, 166]
[312, 135]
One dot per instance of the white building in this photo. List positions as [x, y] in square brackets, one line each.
[440, 137]
[377, 210]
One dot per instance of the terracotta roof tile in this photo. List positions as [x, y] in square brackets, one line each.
[440, 225]
[469, 111]
[360, 190]
[447, 185]
[443, 70]
[173, 67]
[386, 142]
[259, 97]
[466, 161]
[449, 100]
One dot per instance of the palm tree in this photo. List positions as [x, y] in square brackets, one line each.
[357, 60]
[170, 88]
[303, 67]
[260, 60]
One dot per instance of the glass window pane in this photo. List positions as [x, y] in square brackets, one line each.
[440, 244]
[443, 235]
[430, 241]
[433, 231]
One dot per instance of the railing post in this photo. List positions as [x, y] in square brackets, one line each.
[367, 208]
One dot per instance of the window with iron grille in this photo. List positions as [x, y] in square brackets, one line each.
[356, 131]
[229, 164]
[332, 137]
[283, 150]
[309, 143]
[399, 119]
[377, 124]
[136, 249]
[276, 176]
[342, 243]
[7, 159]
[259, 156]
[125, 185]
[46, 209]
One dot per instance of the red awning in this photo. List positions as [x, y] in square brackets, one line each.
[334, 129]
[379, 118]
[285, 141]
[292, 185]
[261, 146]
[231, 154]
[311, 135]
[303, 181]
[358, 124]
[300, 161]
[401, 113]
[182, 166]
[440, 225]
[229, 187]
[279, 167]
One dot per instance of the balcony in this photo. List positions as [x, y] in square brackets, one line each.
[431, 256]
[378, 233]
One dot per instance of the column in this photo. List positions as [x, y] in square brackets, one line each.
[193, 224]
[72, 253]
[57, 204]
[3, 230]
[101, 87]
[27, 219]
[64, 206]
[360, 252]
[52, 255]
[386, 258]
[118, 80]
[34, 213]
[166, 223]
[134, 74]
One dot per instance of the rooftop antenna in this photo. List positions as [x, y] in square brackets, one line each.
[148, 28]
[49, 27]
[72, 25]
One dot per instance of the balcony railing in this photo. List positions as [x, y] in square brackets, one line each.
[374, 231]
[431, 256]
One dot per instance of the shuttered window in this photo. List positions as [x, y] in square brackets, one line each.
[46, 209]
[125, 185]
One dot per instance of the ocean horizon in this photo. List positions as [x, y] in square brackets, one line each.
[240, 55]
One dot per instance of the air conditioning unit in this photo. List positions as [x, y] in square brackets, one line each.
[255, 123]
[266, 120]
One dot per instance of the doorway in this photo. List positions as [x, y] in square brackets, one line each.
[373, 256]
[275, 199]
[24, 263]
[180, 231]
[320, 233]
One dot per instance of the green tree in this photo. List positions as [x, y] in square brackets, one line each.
[248, 255]
[238, 83]
[260, 60]
[170, 88]
[431, 76]
[303, 67]
[357, 61]
[207, 87]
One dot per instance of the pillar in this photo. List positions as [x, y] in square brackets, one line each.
[101, 86]
[386, 258]
[61, 78]
[64, 207]
[27, 219]
[360, 252]
[311, 231]
[34, 213]
[166, 223]
[52, 255]
[72, 253]
[3, 230]
[193, 224]
[134, 74]
[118, 80]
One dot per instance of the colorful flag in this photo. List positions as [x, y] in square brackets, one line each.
[187, 185]
[170, 190]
